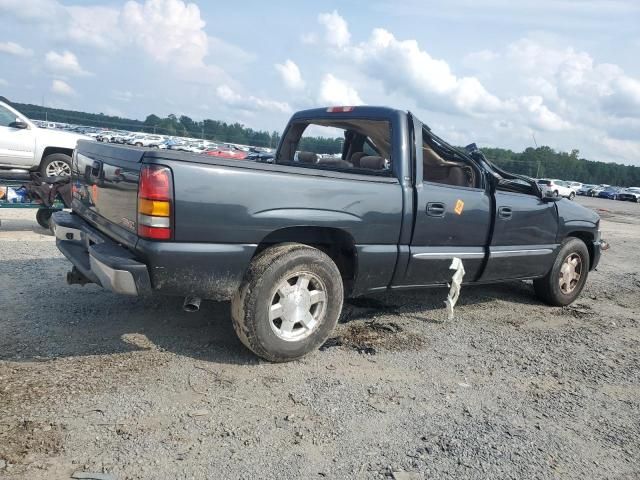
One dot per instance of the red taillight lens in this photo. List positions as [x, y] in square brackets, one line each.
[155, 195]
[340, 109]
[155, 183]
[154, 233]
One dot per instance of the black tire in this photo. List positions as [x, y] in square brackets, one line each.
[252, 303]
[548, 287]
[572, 195]
[555, 193]
[53, 160]
[43, 217]
[138, 144]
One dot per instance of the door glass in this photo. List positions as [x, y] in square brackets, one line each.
[6, 117]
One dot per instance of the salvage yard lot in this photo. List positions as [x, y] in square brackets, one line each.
[92, 381]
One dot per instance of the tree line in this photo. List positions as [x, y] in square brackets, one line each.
[541, 162]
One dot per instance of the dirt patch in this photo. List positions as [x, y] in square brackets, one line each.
[23, 441]
[369, 337]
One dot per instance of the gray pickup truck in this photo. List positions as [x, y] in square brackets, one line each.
[287, 241]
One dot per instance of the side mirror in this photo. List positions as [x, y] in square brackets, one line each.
[18, 124]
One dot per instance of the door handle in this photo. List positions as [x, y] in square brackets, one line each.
[505, 213]
[435, 209]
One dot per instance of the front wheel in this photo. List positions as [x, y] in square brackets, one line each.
[572, 196]
[289, 302]
[555, 193]
[566, 279]
[56, 165]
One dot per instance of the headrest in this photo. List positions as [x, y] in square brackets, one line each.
[372, 162]
[307, 157]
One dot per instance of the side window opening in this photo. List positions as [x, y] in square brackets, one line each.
[442, 164]
[350, 145]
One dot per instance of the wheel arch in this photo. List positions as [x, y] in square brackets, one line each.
[335, 242]
[51, 150]
[587, 238]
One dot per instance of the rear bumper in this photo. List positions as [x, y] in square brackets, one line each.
[98, 258]
[212, 271]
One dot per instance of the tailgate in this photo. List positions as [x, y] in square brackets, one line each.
[105, 188]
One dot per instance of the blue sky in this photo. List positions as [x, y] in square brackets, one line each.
[496, 72]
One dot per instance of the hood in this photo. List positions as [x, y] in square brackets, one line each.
[573, 212]
[59, 138]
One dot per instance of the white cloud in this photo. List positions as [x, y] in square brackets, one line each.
[65, 63]
[290, 74]
[336, 29]
[402, 66]
[249, 103]
[167, 30]
[13, 48]
[60, 87]
[540, 117]
[334, 91]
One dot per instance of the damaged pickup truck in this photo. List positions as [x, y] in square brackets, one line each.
[287, 241]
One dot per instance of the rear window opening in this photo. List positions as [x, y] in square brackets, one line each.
[348, 145]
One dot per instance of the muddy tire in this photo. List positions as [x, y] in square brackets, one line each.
[43, 217]
[564, 282]
[56, 165]
[289, 302]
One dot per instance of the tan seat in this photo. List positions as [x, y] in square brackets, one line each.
[355, 158]
[437, 169]
[372, 162]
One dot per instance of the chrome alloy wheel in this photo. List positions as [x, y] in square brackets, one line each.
[298, 306]
[570, 273]
[58, 168]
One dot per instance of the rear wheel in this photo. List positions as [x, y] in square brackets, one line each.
[572, 195]
[56, 165]
[555, 193]
[289, 302]
[564, 282]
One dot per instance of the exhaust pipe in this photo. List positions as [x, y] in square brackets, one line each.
[191, 304]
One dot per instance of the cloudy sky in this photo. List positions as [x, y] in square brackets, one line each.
[497, 72]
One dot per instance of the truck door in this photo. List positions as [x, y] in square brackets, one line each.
[524, 237]
[452, 214]
[16, 144]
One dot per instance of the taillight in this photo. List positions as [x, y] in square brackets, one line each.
[155, 194]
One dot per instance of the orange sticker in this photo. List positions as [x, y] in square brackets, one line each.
[459, 207]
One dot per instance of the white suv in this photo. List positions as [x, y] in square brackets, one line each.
[25, 146]
[558, 188]
[146, 140]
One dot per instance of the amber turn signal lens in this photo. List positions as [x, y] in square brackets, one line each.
[154, 208]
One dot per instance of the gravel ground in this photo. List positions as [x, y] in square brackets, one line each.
[95, 382]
